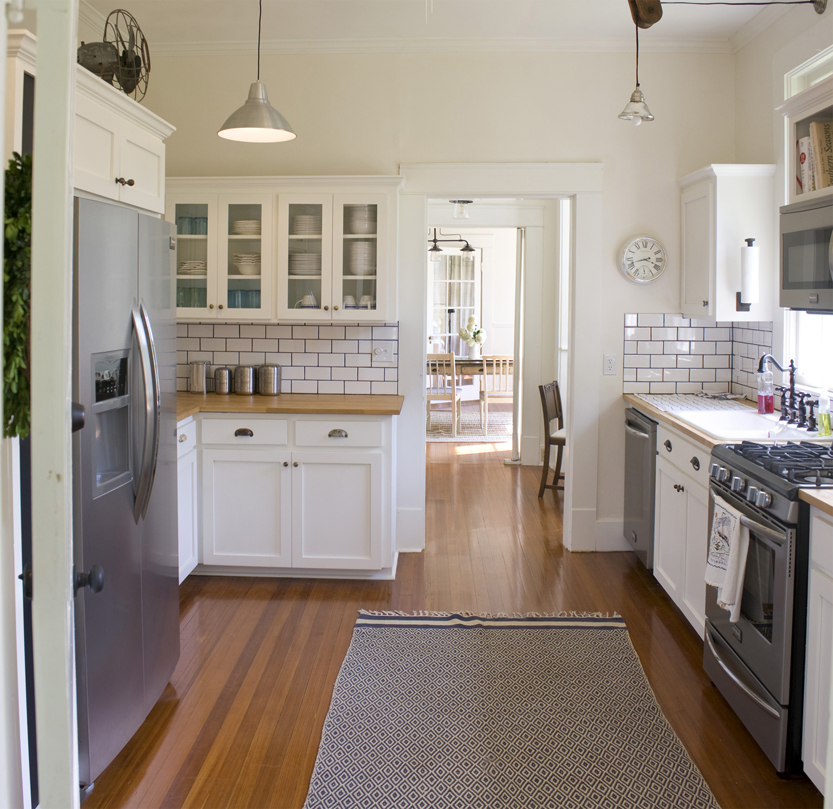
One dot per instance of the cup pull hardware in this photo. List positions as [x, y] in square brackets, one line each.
[695, 462]
[667, 445]
[337, 434]
[244, 432]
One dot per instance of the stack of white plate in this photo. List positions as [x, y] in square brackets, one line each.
[191, 268]
[246, 227]
[305, 225]
[361, 219]
[247, 263]
[305, 264]
[361, 258]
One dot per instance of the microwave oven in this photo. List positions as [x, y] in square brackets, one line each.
[807, 255]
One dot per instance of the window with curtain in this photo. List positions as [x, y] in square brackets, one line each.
[455, 298]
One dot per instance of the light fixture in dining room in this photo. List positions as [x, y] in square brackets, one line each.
[461, 208]
[257, 121]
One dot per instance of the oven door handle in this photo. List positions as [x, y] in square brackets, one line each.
[737, 681]
[763, 531]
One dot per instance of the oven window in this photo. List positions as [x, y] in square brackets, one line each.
[759, 586]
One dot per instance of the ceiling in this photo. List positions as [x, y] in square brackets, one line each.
[466, 25]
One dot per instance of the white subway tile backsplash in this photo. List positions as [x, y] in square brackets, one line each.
[689, 361]
[663, 334]
[313, 358]
[716, 361]
[637, 387]
[637, 334]
[703, 348]
[689, 334]
[629, 374]
[717, 334]
[636, 361]
[663, 361]
[677, 321]
[702, 375]
[650, 320]
[663, 387]
[649, 347]
[630, 346]
[675, 375]
[676, 347]
[630, 320]
[649, 375]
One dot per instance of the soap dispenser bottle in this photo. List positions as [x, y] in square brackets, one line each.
[824, 415]
[766, 403]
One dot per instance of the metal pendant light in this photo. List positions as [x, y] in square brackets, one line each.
[257, 121]
[636, 109]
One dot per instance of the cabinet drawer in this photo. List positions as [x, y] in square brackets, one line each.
[186, 438]
[688, 457]
[338, 434]
[264, 432]
[821, 541]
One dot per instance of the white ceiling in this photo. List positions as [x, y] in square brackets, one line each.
[335, 25]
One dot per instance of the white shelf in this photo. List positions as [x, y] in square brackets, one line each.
[303, 277]
[238, 238]
[192, 277]
[359, 235]
[189, 236]
[308, 236]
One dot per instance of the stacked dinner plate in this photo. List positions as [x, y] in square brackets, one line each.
[191, 268]
[305, 264]
[306, 225]
[246, 227]
[360, 219]
[361, 258]
[247, 263]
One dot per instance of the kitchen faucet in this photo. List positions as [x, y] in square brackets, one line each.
[790, 411]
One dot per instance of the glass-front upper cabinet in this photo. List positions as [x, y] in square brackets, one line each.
[244, 283]
[195, 219]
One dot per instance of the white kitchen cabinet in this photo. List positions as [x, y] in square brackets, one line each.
[119, 148]
[224, 255]
[187, 497]
[681, 523]
[337, 510]
[819, 648]
[720, 206]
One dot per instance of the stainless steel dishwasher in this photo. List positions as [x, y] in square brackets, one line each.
[640, 472]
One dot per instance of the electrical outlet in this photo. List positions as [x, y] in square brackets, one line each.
[609, 365]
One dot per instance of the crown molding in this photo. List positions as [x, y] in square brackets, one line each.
[766, 18]
[91, 16]
[23, 45]
[489, 45]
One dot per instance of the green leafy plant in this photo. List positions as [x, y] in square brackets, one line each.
[17, 269]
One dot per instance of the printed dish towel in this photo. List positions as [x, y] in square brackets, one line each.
[728, 546]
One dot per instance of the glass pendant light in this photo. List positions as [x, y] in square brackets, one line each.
[461, 210]
[257, 121]
[636, 109]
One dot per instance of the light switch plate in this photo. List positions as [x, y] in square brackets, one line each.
[609, 365]
[382, 353]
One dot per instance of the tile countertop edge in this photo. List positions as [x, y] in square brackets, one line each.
[190, 404]
[822, 500]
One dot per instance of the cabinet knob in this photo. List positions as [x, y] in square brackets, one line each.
[286, 463]
[221, 306]
[706, 304]
[122, 181]
[326, 308]
[210, 305]
[295, 463]
[183, 438]
[335, 307]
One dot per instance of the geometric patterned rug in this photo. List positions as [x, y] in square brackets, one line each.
[455, 711]
[500, 427]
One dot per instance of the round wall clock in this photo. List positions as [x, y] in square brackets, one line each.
[642, 259]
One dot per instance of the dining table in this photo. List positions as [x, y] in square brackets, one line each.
[470, 367]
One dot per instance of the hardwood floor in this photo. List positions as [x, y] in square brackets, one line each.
[240, 723]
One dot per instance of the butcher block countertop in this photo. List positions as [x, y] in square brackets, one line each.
[190, 404]
[820, 499]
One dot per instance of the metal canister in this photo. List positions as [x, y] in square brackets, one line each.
[269, 380]
[244, 380]
[198, 370]
[222, 380]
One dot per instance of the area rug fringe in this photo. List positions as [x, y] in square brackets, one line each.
[488, 615]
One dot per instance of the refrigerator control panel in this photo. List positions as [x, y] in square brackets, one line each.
[110, 378]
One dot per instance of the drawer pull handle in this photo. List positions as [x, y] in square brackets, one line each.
[667, 445]
[183, 438]
[679, 488]
[122, 181]
[337, 434]
[244, 431]
[695, 462]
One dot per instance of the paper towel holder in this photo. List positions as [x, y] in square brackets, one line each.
[749, 277]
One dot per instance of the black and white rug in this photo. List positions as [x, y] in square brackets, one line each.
[500, 427]
[442, 711]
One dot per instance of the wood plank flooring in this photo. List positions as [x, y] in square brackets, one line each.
[240, 723]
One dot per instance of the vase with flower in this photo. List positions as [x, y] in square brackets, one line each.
[474, 337]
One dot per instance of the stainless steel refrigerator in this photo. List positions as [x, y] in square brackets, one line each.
[124, 474]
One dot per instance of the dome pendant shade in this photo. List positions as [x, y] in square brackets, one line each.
[636, 109]
[257, 121]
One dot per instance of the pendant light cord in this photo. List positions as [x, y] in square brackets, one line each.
[722, 3]
[637, 55]
[259, 18]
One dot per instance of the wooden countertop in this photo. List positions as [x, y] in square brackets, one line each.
[189, 404]
[820, 499]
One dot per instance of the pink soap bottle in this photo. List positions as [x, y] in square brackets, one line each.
[766, 403]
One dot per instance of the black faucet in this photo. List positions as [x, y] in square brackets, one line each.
[792, 405]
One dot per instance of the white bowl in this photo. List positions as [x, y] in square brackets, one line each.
[362, 270]
[248, 269]
[362, 226]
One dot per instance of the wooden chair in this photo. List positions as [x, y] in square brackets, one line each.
[497, 386]
[442, 386]
[554, 433]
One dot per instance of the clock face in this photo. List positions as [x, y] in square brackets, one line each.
[642, 259]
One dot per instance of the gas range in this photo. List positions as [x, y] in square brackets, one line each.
[771, 476]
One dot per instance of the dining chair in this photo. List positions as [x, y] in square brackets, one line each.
[497, 385]
[443, 386]
[554, 433]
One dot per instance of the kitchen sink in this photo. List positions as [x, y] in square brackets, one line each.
[743, 425]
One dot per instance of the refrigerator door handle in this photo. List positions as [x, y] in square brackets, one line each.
[157, 404]
[141, 489]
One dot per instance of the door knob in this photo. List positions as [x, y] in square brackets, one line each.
[94, 579]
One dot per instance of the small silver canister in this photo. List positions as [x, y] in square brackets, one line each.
[244, 380]
[269, 380]
[198, 370]
[222, 380]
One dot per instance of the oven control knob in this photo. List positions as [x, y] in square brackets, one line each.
[738, 484]
[722, 474]
[763, 500]
[713, 469]
[752, 493]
